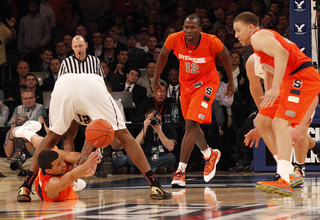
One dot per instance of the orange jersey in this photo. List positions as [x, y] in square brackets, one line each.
[40, 184]
[296, 57]
[196, 66]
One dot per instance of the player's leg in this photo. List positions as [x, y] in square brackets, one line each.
[137, 156]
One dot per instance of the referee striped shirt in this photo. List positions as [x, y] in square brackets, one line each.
[90, 65]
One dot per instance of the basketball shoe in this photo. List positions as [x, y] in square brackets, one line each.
[179, 179]
[23, 195]
[280, 186]
[79, 184]
[210, 164]
[159, 193]
[31, 125]
[296, 178]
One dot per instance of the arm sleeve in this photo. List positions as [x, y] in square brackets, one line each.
[216, 46]
[170, 41]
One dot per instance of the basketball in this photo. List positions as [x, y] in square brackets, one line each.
[99, 133]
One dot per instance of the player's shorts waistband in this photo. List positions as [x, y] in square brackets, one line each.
[301, 67]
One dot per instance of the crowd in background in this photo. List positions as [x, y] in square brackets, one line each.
[127, 36]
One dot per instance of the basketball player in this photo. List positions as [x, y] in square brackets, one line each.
[199, 82]
[80, 90]
[291, 84]
[301, 139]
[56, 181]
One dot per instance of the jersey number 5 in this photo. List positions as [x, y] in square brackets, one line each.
[192, 67]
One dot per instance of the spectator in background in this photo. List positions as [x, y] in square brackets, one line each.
[266, 21]
[206, 25]
[29, 107]
[47, 12]
[221, 19]
[146, 80]
[118, 45]
[143, 40]
[203, 13]
[164, 18]
[174, 85]
[19, 151]
[34, 30]
[32, 84]
[7, 34]
[135, 54]
[91, 10]
[119, 27]
[67, 39]
[284, 20]
[46, 55]
[96, 48]
[121, 65]
[17, 84]
[61, 50]
[111, 77]
[138, 92]
[184, 5]
[48, 83]
[152, 29]
[81, 30]
[234, 8]
[275, 7]
[167, 32]
[177, 24]
[108, 52]
[153, 16]
[238, 48]
[159, 101]
[229, 22]
[149, 56]
[256, 8]
[157, 142]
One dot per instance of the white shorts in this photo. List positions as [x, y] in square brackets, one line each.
[85, 96]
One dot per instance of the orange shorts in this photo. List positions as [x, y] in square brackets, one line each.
[196, 104]
[296, 95]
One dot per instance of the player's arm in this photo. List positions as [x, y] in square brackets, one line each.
[254, 82]
[227, 63]
[58, 185]
[266, 42]
[161, 62]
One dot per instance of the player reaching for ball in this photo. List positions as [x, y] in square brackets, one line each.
[55, 180]
[80, 90]
[99, 133]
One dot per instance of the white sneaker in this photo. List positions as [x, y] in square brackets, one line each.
[31, 125]
[79, 184]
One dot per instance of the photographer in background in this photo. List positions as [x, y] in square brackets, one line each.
[157, 139]
[19, 151]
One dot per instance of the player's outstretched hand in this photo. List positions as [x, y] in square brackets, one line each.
[252, 137]
[94, 158]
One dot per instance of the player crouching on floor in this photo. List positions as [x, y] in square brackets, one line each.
[56, 181]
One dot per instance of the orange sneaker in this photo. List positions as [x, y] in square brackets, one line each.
[210, 165]
[280, 186]
[296, 178]
[179, 179]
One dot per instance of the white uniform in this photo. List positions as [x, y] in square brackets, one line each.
[86, 96]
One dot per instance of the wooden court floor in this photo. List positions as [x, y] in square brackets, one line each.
[226, 196]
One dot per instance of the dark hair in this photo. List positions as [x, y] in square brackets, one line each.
[163, 84]
[247, 18]
[31, 74]
[45, 159]
[122, 49]
[46, 49]
[60, 41]
[135, 69]
[153, 110]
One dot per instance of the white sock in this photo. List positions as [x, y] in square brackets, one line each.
[182, 166]
[28, 134]
[284, 168]
[207, 152]
[275, 157]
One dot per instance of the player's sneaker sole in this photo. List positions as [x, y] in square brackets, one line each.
[216, 154]
[179, 179]
[23, 195]
[280, 187]
[159, 193]
[31, 125]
